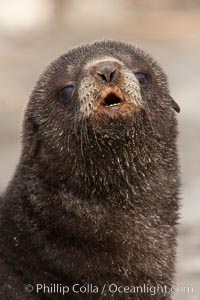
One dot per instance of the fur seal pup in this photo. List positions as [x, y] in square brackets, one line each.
[91, 211]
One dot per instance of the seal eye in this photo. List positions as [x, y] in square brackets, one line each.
[142, 78]
[65, 94]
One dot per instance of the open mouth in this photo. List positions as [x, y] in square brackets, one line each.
[111, 100]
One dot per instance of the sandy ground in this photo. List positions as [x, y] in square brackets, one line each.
[24, 59]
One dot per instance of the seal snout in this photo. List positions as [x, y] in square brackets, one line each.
[109, 87]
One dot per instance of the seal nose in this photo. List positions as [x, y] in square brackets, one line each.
[106, 71]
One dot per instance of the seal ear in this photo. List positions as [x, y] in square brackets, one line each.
[30, 137]
[175, 106]
[35, 142]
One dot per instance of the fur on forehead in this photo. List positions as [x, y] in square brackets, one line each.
[82, 55]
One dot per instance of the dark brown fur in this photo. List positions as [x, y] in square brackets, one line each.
[93, 200]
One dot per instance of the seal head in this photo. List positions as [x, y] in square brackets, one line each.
[103, 101]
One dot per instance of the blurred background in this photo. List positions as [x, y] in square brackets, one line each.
[34, 32]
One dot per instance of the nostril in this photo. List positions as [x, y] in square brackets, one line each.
[106, 71]
[105, 77]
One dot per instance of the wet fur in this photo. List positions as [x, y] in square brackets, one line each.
[93, 200]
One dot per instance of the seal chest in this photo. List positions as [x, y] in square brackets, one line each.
[93, 203]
